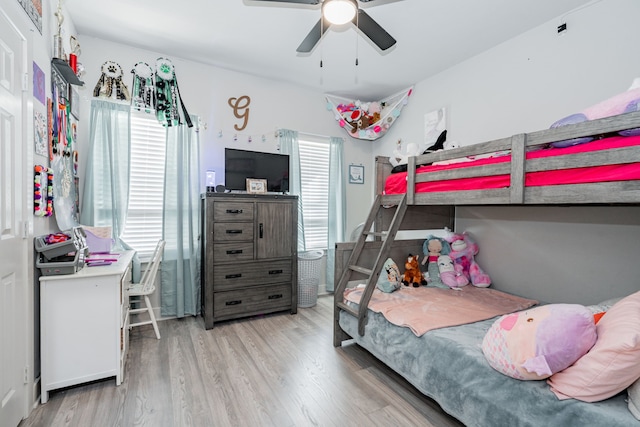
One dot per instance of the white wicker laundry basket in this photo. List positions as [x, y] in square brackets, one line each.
[309, 263]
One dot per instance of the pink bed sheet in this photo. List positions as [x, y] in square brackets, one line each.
[397, 183]
[425, 308]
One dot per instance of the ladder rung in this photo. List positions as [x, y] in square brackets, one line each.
[352, 311]
[362, 270]
[376, 233]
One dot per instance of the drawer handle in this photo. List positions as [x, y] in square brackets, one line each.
[276, 296]
[261, 230]
[234, 252]
[234, 211]
[234, 231]
[233, 276]
[275, 271]
[235, 302]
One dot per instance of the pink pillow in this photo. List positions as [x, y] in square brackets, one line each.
[535, 343]
[612, 364]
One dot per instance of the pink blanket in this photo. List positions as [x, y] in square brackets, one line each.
[425, 308]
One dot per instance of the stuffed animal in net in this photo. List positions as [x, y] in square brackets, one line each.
[463, 252]
[450, 273]
[412, 274]
[433, 247]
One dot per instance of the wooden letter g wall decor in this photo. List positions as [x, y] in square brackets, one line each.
[240, 110]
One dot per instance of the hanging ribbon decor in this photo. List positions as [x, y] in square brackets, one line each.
[111, 79]
[42, 191]
[143, 96]
[169, 103]
[368, 120]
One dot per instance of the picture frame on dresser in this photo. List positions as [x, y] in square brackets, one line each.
[256, 186]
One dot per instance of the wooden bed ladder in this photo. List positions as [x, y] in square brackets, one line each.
[353, 264]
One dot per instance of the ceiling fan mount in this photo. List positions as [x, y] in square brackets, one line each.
[340, 12]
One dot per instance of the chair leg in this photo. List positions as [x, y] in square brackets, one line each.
[152, 316]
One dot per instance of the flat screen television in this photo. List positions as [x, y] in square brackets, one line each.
[242, 164]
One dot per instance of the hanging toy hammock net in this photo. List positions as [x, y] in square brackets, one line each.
[368, 120]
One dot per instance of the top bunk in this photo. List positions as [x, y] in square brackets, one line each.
[552, 166]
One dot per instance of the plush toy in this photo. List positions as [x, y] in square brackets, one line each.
[439, 144]
[536, 343]
[624, 102]
[450, 274]
[389, 279]
[463, 251]
[433, 247]
[401, 158]
[412, 274]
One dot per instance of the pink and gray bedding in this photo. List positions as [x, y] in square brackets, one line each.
[397, 183]
[448, 365]
[425, 308]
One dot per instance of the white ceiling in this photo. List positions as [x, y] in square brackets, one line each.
[260, 38]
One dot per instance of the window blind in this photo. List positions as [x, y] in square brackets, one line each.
[314, 171]
[143, 226]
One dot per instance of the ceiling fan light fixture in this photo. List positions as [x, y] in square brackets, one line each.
[339, 12]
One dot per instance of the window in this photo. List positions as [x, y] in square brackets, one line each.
[314, 171]
[143, 227]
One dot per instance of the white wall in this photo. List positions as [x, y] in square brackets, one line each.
[205, 91]
[578, 254]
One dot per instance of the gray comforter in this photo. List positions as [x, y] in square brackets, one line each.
[448, 365]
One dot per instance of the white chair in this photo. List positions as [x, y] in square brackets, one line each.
[146, 287]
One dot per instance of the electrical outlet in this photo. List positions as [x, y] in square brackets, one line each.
[562, 28]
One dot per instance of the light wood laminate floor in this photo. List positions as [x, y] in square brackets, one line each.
[275, 370]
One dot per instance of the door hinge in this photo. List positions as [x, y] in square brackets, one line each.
[25, 82]
[26, 375]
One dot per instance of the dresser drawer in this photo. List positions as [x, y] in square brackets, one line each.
[233, 211]
[252, 301]
[244, 275]
[229, 252]
[232, 231]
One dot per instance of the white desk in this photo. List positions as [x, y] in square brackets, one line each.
[84, 325]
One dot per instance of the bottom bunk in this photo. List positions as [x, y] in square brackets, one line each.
[448, 365]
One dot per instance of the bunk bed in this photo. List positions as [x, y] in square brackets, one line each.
[447, 364]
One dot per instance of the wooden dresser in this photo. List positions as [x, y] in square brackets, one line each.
[249, 255]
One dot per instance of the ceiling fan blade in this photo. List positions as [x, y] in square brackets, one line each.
[373, 30]
[294, 1]
[314, 36]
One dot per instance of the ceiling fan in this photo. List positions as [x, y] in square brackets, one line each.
[340, 12]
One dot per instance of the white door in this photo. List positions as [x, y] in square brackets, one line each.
[13, 255]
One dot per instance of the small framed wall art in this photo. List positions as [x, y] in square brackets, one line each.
[256, 186]
[356, 174]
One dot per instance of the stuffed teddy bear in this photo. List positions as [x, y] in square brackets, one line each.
[450, 274]
[433, 247]
[412, 274]
[463, 251]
